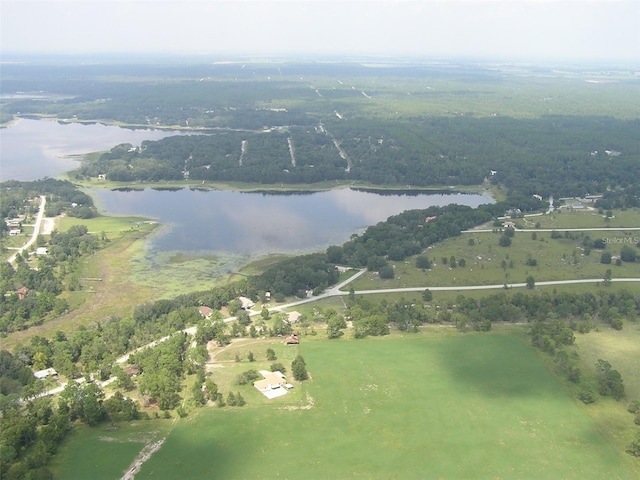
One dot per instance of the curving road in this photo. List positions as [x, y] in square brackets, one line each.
[36, 230]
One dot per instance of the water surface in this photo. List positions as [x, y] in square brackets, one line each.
[259, 223]
[34, 149]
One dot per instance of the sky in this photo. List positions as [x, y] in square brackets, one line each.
[543, 30]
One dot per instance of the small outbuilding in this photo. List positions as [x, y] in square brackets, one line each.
[47, 372]
[246, 303]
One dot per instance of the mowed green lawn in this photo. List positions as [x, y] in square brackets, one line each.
[454, 407]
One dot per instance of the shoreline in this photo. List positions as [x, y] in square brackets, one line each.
[276, 189]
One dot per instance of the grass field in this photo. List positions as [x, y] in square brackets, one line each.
[433, 405]
[584, 219]
[621, 348]
[557, 259]
[103, 453]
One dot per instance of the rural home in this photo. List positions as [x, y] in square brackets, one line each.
[294, 317]
[509, 225]
[273, 385]
[511, 212]
[205, 311]
[292, 340]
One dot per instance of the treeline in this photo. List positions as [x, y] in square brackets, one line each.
[410, 232]
[297, 276]
[560, 156]
[628, 197]
[574, 312]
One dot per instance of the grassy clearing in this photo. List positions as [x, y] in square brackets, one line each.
[111, 226]
[583, 219]
[621, 348]
[557, 259]
[424, 406]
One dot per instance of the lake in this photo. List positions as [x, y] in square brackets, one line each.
[256, 224]
[33, 149]
[248, 224]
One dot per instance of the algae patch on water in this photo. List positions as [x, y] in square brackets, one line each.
[174, 273]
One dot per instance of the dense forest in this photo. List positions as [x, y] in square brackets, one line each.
[402, 125]
[560, 156]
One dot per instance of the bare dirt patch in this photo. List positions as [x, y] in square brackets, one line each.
[309, 405]
[145, 454]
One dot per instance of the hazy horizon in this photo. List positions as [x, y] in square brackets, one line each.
[536, 31]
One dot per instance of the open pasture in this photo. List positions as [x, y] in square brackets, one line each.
[103, 453]
[583, 218]
[620, 348]
[474, 406]
[111, 226]
[487, 263]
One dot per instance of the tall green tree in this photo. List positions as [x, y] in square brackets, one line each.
[299, 369]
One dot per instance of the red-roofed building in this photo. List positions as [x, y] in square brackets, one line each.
[292, 339]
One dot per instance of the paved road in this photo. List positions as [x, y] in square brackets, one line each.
[36, 230]
[594, 229]
[488, 287]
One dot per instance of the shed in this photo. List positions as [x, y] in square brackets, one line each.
[47, 372]
[246, 303]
